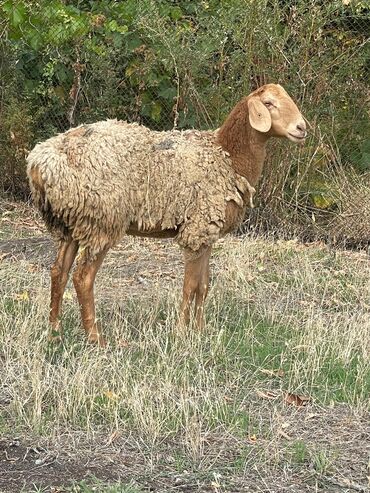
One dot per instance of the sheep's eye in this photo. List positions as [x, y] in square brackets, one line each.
[268, 104]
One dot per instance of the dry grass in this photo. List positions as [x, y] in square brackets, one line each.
[282, 318]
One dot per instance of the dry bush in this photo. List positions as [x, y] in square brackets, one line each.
[16, 140]
[351, 224]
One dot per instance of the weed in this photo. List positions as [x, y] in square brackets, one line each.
[293, 325]
[92, 486]
[322, 461]
[299, 452]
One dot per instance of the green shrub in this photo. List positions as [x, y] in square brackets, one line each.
[186, 63]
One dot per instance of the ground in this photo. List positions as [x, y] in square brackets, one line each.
[272, 397]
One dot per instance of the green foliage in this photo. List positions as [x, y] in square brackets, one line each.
[299, 452]
[94, 485]
[362, 155]
[185, 63]
[16, 137]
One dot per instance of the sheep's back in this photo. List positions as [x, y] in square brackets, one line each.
[102, 177]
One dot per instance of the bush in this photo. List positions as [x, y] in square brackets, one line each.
[185, 64]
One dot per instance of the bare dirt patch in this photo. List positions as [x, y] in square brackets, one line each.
[24, 465]
[336, 437]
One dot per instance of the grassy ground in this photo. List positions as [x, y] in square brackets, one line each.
[272, 396]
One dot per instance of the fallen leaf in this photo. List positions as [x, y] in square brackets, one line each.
[111, 395]
[296, 400]
[252, 439]
[24, 296]
[266, 394]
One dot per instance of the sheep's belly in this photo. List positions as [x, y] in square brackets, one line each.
[156, 232]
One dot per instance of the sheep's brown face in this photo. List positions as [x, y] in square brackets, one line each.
[273, 112]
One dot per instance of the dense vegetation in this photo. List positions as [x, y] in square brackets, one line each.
[186, 63]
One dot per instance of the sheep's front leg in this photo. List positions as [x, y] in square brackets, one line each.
[202, 289]
[83, 280]
[59, 277]
[196, 281]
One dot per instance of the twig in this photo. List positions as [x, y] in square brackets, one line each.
[169, 47]
[75, 89]
[346, 483]
[176, 105]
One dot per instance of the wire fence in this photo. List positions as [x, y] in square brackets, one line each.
[184, 64]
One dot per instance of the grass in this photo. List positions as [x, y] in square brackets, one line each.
[93, 486]
[281, 318]
[311, 326]
[161, 381]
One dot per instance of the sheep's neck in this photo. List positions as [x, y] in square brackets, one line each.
[245, 145]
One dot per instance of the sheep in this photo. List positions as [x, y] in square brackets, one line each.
[97, 182]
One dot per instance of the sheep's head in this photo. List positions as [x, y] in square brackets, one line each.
[273, 112]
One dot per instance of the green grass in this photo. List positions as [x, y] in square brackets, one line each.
[298, 452]
[161, 382]
[297, 323]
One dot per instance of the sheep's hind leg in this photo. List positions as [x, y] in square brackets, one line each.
[202, 289]
[83, 280]
[59, 277]
[196, 280]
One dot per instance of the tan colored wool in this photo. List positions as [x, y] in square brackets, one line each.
[99, 179]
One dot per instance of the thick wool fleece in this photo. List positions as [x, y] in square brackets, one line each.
[98, 179]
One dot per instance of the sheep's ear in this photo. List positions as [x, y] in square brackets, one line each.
[259, 115]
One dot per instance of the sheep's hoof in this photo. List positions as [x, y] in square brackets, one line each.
[55, 333]
[54, 339]
[97, 339]
[182, 323]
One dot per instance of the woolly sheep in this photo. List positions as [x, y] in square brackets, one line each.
[97, 182]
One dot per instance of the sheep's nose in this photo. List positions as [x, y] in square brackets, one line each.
[302, 128]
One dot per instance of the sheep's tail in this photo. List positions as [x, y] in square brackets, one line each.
[54, 223]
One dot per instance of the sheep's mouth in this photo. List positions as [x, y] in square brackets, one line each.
[296, 138]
